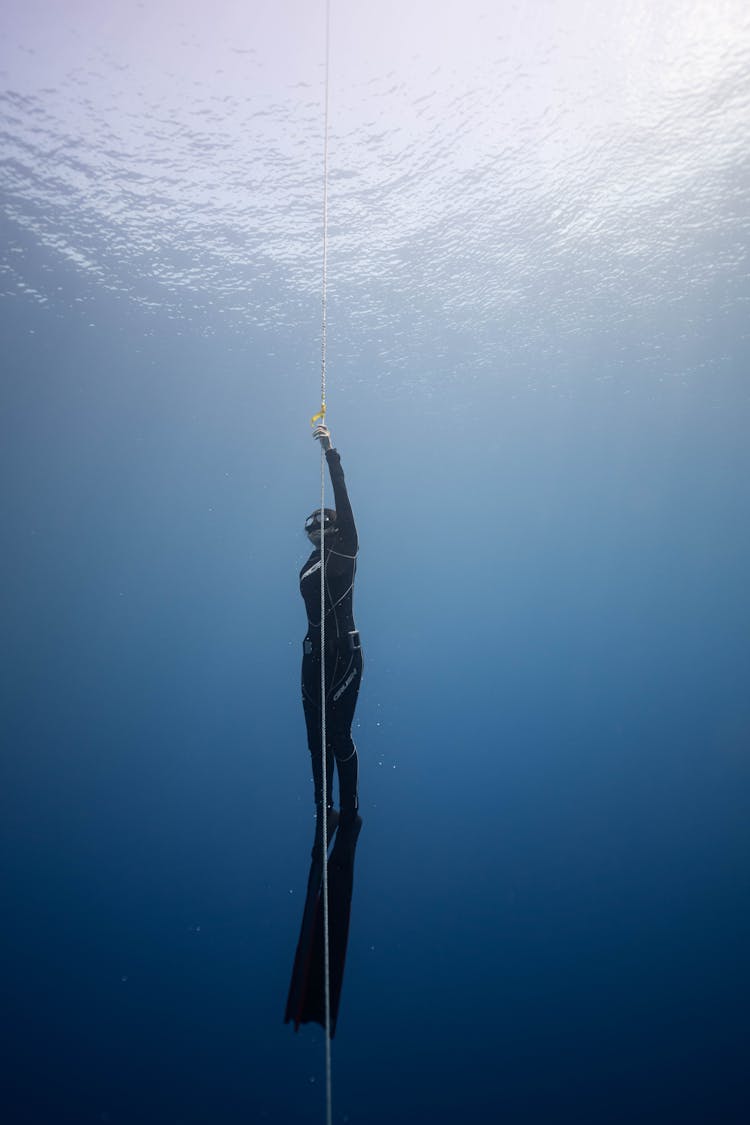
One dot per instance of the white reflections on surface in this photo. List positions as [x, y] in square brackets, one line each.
[506, 180]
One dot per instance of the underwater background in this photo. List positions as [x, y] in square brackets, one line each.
[538, 383]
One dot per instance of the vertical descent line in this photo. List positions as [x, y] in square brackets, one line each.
[323, 735]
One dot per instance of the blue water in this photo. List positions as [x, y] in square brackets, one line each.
[538, 382]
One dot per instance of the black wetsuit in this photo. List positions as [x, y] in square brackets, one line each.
[343, 655]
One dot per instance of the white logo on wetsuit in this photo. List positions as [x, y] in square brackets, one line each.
[313, 568]
[345, 685]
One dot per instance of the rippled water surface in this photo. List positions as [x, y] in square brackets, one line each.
[512, 177]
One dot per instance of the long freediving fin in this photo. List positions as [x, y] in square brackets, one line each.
[306, 998]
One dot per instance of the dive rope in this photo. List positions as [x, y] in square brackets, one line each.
[324, 762]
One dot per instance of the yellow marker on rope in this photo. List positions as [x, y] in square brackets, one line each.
[322, 414]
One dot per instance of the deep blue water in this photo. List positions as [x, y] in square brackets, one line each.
[550, 478]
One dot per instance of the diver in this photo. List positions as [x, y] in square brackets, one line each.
[310, 999]
[343, 654]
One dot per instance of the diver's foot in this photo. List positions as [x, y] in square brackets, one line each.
[345, 845]
[350, 822]
[332, 821]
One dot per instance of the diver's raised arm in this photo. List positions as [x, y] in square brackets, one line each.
[347, 531]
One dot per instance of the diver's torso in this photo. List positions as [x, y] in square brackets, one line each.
[342, 650]
[340, 570]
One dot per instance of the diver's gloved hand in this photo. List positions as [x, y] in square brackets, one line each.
[322, 435]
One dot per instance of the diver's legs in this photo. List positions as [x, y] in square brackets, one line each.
[340, 705]
[348, 771]
[312, 722]
[343, 703]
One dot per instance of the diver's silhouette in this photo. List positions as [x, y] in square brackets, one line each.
[342, 660]
[343, 653]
